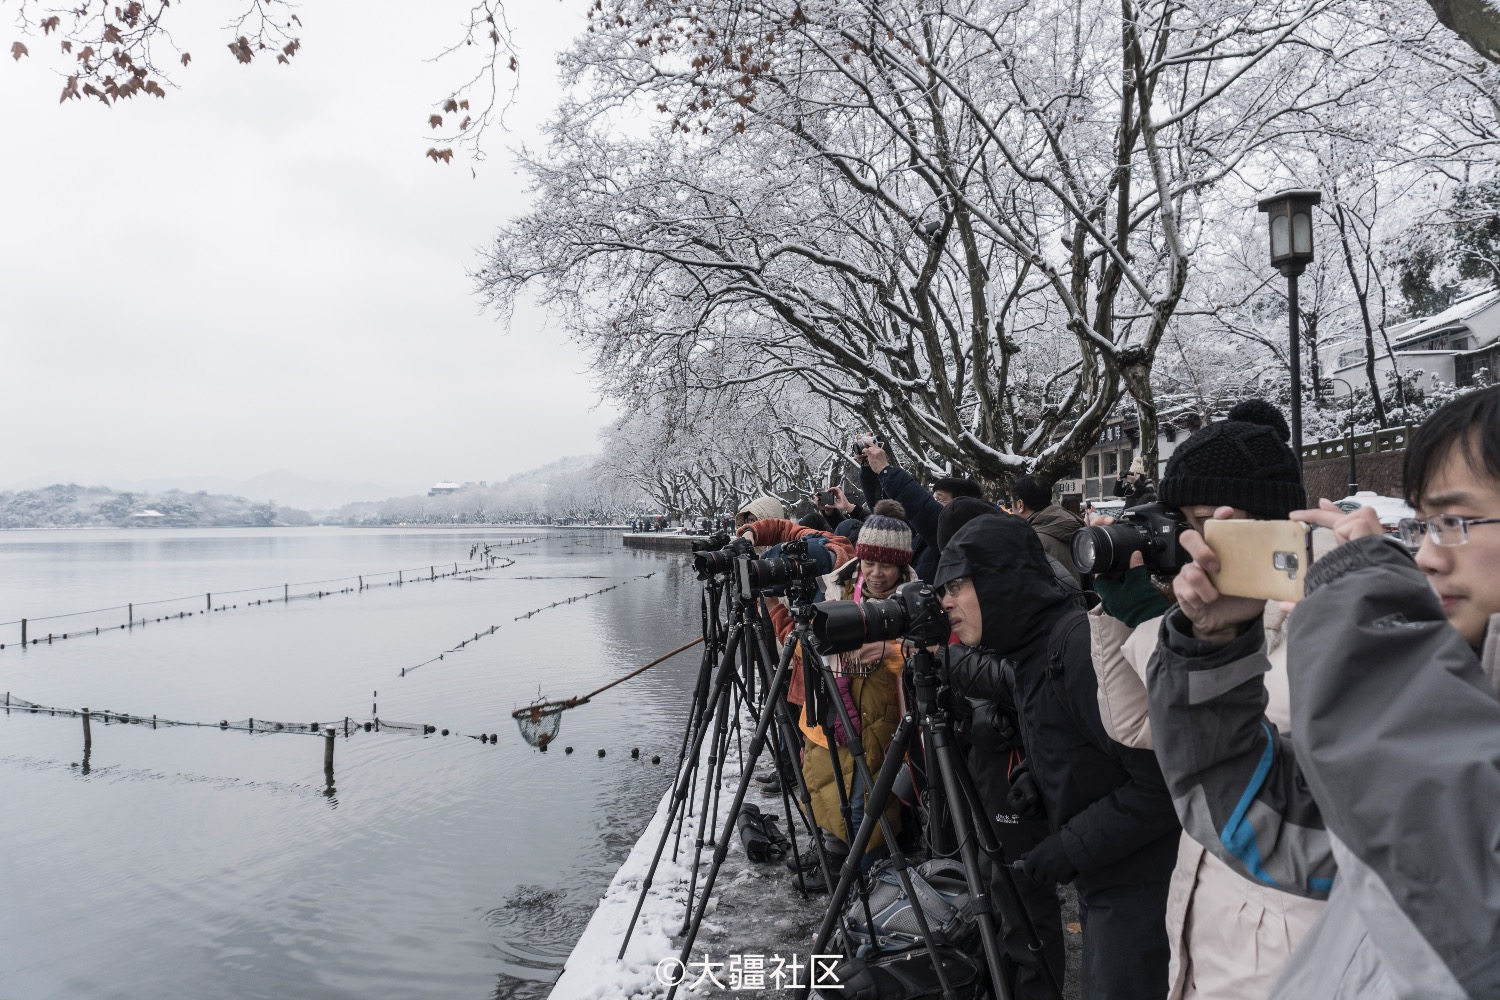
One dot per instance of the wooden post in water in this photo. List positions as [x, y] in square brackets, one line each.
[328, 754]
[361, 584]
[286, 593]
[23, 633]
[88, 735]
[209, 601]
[130, 615]
[398, 578]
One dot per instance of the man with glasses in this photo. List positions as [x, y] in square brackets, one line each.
[1391, 778]
[1023, 648]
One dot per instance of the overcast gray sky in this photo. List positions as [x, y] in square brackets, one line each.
[262, 270]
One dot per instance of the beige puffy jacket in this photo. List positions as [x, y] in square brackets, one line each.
[1230, 937]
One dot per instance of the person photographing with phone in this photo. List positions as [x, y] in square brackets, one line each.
[1230, 937]
[1392, 773]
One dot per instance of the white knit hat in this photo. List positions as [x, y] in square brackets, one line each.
[1138, 466]
[763, 507]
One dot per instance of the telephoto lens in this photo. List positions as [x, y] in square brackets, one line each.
[913, 612]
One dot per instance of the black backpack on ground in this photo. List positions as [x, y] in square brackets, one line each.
[889, 960]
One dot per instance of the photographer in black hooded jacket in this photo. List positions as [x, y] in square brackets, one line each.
[1113, 830]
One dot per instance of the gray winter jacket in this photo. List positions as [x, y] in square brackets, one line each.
[1393, 785]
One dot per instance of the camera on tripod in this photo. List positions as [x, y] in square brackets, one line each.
[709, 543]
[792, 567]
[913, 612]
[716, 554]
[1152, 529]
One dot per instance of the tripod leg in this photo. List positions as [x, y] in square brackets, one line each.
[721, 847]
[683, 788]
[788, 760]
[978, 892]
[1013, 909]
[874, 813]
[707, 668]
[718, 752]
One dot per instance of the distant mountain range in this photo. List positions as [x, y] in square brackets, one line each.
[279, 486]
[73, 506]
[570, 489]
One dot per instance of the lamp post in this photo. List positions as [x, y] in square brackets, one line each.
[1290, 217]
[1353, 473]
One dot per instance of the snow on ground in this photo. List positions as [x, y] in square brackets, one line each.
[766, 916]
[754, 911]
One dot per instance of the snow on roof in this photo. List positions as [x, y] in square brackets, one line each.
[446, 486]
[1458, 312]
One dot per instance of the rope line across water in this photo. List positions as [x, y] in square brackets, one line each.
[425, 574]
[491, 630]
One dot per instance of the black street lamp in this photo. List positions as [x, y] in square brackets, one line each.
[1290, 215]
[1353, 472]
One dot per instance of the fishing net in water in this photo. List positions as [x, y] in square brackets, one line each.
[541, 722]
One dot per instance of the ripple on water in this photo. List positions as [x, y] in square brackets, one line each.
[534, 931]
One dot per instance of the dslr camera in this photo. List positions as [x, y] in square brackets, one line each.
[863, 441]
[774, 576]
[1152, 529]
[913, 612]
[717, 554]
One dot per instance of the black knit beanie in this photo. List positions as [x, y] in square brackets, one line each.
[1242, 462]
[959, 513]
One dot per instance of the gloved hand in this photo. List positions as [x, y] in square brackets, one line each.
[1131, 598]
[990, 727]
[1025, 796]
[1047, 863]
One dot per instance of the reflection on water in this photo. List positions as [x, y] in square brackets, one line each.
[193, 862]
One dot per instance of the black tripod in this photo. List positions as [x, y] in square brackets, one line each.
[734, 659]
[972, 829]
[802, 596]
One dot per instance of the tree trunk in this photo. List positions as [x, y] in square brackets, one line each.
[1477, 22]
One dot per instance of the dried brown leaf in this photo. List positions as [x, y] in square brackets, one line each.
[17, 50]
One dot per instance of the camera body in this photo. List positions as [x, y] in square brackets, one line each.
[1152, 529]
[709, 562]
[914, 612]
[863, 441]
[713, 542]
[827, 498]
[794, 571]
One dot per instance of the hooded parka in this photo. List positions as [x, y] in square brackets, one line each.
[1108, 809]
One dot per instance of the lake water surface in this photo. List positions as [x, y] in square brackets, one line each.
[195, 862]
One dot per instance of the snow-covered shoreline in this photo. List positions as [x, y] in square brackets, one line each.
[752, 909]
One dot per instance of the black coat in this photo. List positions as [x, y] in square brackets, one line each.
[922, 512]
[1107, 802]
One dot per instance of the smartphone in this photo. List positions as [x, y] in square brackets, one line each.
[1268, 560]
[827, 498]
